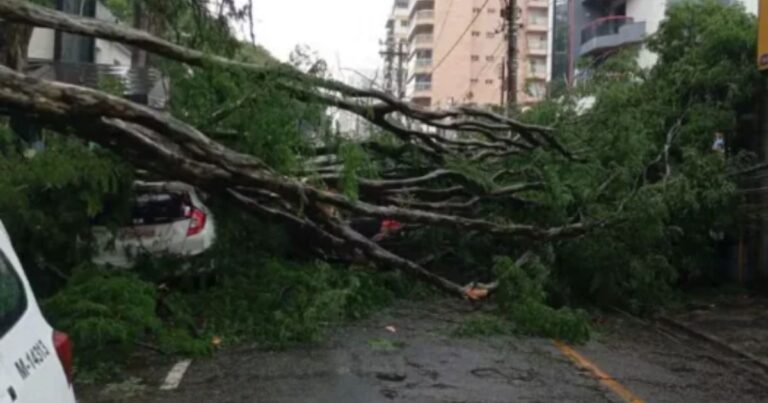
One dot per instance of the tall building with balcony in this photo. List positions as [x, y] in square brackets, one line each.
[457, 52]
[396, 48]
[598, 28]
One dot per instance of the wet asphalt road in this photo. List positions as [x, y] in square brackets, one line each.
[424, 362]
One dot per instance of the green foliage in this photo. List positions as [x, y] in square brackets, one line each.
[356, 164]
[523, 298]
[48, 202]
[277, 303]
[661, 207]
[483, 326]
[105, 314]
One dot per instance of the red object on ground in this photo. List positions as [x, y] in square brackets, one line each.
[391, 225]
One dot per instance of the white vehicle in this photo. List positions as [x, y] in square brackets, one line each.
[168, 218]
[35, 360]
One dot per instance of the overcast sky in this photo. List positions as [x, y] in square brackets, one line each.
[345, 32]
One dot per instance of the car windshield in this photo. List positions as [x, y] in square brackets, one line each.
[13, 301]
[158, 208]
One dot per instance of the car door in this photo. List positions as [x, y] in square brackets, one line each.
[31, 369]
[13, 306]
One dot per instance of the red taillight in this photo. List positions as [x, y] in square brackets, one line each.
[197, 222]
[63, 346]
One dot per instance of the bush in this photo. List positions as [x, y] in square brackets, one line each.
[105, 314]
[276, 303]
[522, 297]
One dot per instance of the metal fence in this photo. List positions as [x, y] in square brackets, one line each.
[143, 85]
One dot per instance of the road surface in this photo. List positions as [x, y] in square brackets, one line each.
[422, 361]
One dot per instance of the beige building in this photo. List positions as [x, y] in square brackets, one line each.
[457, 51]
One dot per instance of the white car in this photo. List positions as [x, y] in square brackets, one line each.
[168, 218]
[35, 360]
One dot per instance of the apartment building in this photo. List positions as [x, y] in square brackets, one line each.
[598, 28]
[396, 48]
[457, 51]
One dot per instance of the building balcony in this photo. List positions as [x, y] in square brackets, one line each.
[422, 87]
[538, 4]
[423, 15]
[146, 86]
[610, 32]
[419, 5]
[538, 25]
[537, 50]
[537, 74]
[422, 39]
[419, 65]
[422, 22]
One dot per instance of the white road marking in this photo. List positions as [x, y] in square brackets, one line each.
[175, 375]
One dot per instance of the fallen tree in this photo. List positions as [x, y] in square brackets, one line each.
[156, 141]
[467, 171]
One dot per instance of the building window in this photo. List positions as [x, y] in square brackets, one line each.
[489, 81]
[476, 10]
[475, 58]
[490, 35]
[537, 17]
[491, 11]
[536, 90]
[490, 58]
[538, 42]
[475, 33]
[403, 23]
[537, 66]
[474, 81]
[401, 3]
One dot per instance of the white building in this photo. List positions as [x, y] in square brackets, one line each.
[598, 28]
[93, 62]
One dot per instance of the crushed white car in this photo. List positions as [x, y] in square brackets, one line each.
[168, 219]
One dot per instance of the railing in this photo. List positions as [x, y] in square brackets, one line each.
[423, 62]
[422, 86]
[143, 85]
[423, 38]
[604, 26]
[424, 15]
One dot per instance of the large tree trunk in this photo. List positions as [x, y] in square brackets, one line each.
[438, 196]
[17, 37]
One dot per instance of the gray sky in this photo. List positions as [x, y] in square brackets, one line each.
[345, 32]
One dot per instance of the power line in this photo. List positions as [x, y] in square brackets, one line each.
[445, 21]
[477, 15]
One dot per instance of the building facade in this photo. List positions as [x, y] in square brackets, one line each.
[598, 28]
[395, 52]
[96, 63]
[457, 51]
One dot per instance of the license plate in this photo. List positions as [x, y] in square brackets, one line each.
[140, 233]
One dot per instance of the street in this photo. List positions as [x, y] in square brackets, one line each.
[422, 361]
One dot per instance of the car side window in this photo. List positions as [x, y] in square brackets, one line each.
[13, 298]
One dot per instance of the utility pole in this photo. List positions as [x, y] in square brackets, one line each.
[509, 13]
[388, 56]
[394, 76]
[503, 79]
[400, 69]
